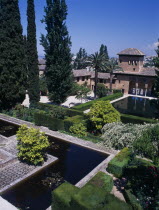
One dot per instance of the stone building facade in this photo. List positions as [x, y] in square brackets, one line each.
[133, 79]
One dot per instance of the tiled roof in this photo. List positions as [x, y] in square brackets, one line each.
[148, 71]
[84, 72]
[131, 51]
[81, 72]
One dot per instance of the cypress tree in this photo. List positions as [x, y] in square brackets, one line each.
[32, 56]
[57, 51]
[12, 64]
[81, 59]
[104, 51]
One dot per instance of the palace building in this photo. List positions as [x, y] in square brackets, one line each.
[133, 79]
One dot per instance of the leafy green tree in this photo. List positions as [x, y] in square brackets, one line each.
[97, 61]
[112, 66]
[12, 59]
[103, 112]
[82, 92]
[81, 59]
[103, 51]
[32, 56]
[101, 90]
[32, 145]
[57, 51]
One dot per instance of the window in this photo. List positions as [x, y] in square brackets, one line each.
[101, 81]
[87, 78]
[83, 78]
[77, 79]
[136, 63]
[120, 61]
[129, 62]
[113, 81]
[119, 81]
[133, 69]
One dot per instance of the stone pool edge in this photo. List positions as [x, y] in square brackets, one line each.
[49, 162]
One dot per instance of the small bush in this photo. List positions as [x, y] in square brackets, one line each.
[147, 144]
[32, 145]
[85, 106]
[43, 119]
[118, 164]
[79, 129]
[102, 181]
[61, 196]
[70, 121]
[101, 113]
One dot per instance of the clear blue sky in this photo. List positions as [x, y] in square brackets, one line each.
[119, 24]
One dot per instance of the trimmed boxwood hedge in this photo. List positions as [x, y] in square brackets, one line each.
[92, 197]
[117, 165]
[70, 121]
[61, 196]
[125, 118]
[42, 119]
[50, 107]
[131, 199]
[85, 106]
[103, 181]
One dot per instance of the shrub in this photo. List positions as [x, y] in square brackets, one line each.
[61, 196]
[125, 118]
[102, 181]
[143, 182]
[101, 90]
[91, 197]
[85, 106]
[148, 143]
[119, 135]
[118, 164]
[103, 112]
[79, 129]
[131, 199]
[70, 121]
[32, 145]
[43, 119]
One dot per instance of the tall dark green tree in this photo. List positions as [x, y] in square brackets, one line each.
[81, 59]
[12, 61]
[104, 51]
[32, 56]
[57, 51]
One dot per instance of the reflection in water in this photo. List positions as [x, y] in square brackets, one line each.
[138, 106]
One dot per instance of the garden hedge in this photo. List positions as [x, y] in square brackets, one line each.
[70, 121]
[91, 197]
[117, 165]
[85, 106]
[102, 181]
[61, 196]
[131, 199]
[125, 118]
[50, 107]
[42, 119]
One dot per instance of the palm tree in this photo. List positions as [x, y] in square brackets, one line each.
[112, 66]
[98, 63]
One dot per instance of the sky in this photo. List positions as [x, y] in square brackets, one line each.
[118, 24]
